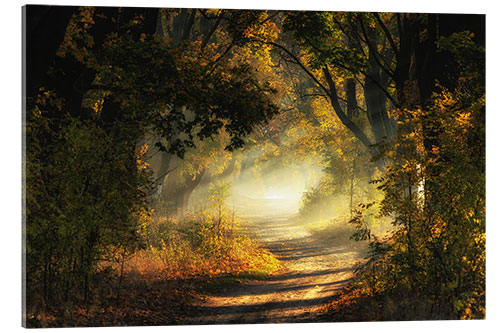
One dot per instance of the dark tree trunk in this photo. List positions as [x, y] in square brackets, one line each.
[178, 190]
[189, 25]
[210, 34]
[179, 24]
[352, 104]
[389, 123]
[432, 67]
[45, 30]
[403, 59]
[374, 97]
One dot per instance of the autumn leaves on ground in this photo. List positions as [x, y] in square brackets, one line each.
[205, 166]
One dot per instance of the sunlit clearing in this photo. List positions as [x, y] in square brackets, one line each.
[274, 196]
[274, 189]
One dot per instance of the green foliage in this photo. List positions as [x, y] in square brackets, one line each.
[82, 202]
[166, 87]
[208, 243]
[344, 185]
[435, 193]
[359, 221]
[468, 54]
[316, 200]
[317, 33]
[241, 23]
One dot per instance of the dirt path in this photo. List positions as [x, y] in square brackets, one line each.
[316, 270]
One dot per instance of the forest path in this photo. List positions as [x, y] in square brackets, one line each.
[315, 271]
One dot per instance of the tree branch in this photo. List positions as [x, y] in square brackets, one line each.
[387, 33]
[165, 173]
[332, 93]
[189, 25]
[400, 26]
[344, 31]
[212, 30]
[301, 65]
[343, 117]
[374, 51]
[205, 15]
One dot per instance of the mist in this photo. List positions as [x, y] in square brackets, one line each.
[270, 189]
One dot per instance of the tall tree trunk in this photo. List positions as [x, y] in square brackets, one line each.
[178, 188]
[389, 123]
[189, 188]
[179, 24]
[352, 105]
[189, 25]
[375, 102]
[403, 59]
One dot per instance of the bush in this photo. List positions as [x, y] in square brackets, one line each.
[83, 205]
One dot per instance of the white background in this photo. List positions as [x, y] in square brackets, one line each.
[10, 161]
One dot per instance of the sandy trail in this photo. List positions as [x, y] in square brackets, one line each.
[316, 270]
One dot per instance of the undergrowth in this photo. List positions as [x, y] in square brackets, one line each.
[179, 262]
[200, 245]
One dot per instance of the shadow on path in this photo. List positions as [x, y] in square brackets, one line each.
[316, 271]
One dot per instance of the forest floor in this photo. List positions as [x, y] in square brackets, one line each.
[314, 271]
[315, 264]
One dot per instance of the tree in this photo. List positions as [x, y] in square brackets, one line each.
[96, 92]
[434, 187]
[213, 39]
